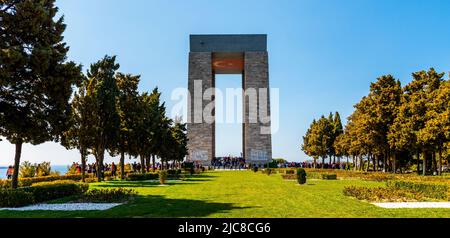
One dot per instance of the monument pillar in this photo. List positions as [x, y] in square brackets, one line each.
[229, 54]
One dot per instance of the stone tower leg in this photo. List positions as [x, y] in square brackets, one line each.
[257, 136]
[200, 133]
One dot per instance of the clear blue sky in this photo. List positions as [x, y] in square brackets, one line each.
[323, 54]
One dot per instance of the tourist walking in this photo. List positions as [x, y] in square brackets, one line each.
[9, 172]
[113, 169]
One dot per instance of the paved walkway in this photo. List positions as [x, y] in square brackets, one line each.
[66, 207]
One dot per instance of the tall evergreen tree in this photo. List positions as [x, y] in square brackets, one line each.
[105, 118]
[412, 116]
[36, 80]
[128, 110]
[78, 134]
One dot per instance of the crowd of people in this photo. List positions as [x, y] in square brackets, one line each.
[310, 164]
[228, 162]
[92, 168]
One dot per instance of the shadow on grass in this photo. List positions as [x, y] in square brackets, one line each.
[160, 206]
[142, 206]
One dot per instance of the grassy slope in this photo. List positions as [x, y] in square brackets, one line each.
[241, 194]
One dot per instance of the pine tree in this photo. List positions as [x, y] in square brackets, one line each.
[105, 120]
[128, 110]
[36, 81]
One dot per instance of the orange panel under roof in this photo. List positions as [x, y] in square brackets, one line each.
[228, 63]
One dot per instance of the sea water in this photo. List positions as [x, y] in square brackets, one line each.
[62, 169]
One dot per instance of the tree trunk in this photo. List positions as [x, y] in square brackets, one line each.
[15, 177]
[100, 156]
[374, 161]
[142, 163]
[122, 165]
[418, 162]
[424, 165]
[153, 163]
[147, 163]
[83, 164]
[440, 162]
[434, 162]
[354, 163]
[384, 161]
[323, 161]
[394, 161]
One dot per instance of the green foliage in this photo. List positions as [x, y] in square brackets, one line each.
[27, 170]
[162, 176]
[289, 171]
[142, 177]
[269, 171]
[329, 176]
[301, 176]
[173, 172]
[381, 194]
[49, 192]
[107, 195]
[23, 182]
[428, 189]
[15, 198]
[36, 80]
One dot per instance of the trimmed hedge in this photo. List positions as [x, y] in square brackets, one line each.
[428, 189]
[107, 195]
[42, 192]
[289, 176]
[49, 192]
[329, 176]
[142, 177]
[15, 198]
[289, 171]
[383, 194]
[24, 182]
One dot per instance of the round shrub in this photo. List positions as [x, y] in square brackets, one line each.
[301, 176]
[162, 176]
[255, 169]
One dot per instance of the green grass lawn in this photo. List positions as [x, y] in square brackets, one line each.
[240, 194]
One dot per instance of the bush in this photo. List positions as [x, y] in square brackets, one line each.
[289, 176]
[268, 171]
[54, 191]
[290, 171]
[313, 175]
[29, 181]
[173, 172]
[141, 177]
[15, 198]
[90, 179]
[53, 183]
[25, 182]
[255, 169]
[301, 176]
[329, 176]
[162, 176]
[107, 195]
[378, 194]
[428, 189]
